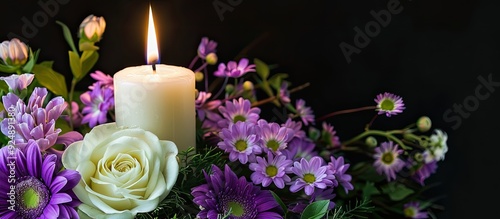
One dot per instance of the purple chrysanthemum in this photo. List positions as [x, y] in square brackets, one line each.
[412, 210]
[305, 113]
[329, 136]
[203, 106]
[274, 137]
[296, 127]
[310, 174]
[233, 69]
[17, 83]
[33, 121]
[33, 187]
[206, 47]
[387, 161]
[225, 192]
[240, 141]
[301, 148]
[389, 104]
[271, 170]
[338, 169]
[105, 80]
[238, 110]
[97, 103]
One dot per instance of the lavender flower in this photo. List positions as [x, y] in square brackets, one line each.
[18, 83]
[284, 94]
[97, 104]
[338, 169]
[296, 127]
[387, 160]
[203, 106]
[412, 210]
[310, 174]
[39, 189]
[389, 104]
[206, 47]
[273, 170]
[238, 110]
[301, 148]
[274, 137]
[233, 69]
[421, 170]
[305, 113]
[240, 141]
[33, 121]
[224, 193]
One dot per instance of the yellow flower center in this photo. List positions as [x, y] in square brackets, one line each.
[239, 118]
[273, 145]
[309, 178]
[240, 145]
[271, 171]
[387, 104]
[387, 158]
[31, 198]
[236, 208]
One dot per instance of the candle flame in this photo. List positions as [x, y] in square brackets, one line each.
[152, 53]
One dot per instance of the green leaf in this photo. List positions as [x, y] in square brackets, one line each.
[52, 80]
[276, 80]
[47, 64]
[315, 210]
[8, 69]
[63, 125]
[87, 46]
[74, 63]
[280, 202]
[4, 87]
[396, 191]
[28, 67]
[369, 189]
[67, 36]
[88, 60]
[261, 68]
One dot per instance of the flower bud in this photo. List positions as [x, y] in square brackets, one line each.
[198, 76]
[14, 52]
[424, 124]
[211, 58]
[92, 28]
[247, 86]
[371, 141]
[229, 88]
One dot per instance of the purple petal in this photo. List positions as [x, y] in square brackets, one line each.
[60, 198]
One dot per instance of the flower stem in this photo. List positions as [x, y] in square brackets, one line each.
[193, 62]
[387, 134]
[70, 102]
[272, 98]
[345, 112]
[201, 67]
[221, 88]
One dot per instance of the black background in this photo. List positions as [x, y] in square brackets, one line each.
[431, 53]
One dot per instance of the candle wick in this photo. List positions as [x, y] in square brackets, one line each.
[154, 67]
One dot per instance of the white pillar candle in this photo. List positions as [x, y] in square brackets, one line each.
[161, 101]
[158, 98]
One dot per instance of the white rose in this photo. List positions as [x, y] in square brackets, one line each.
[124, 171]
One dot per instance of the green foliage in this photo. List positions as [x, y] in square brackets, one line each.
[361, 209]
[52, 80]
[315, 210]
[396, 191]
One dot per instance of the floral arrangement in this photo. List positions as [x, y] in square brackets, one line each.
[63, 156]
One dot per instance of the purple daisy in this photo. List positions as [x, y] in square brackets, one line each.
[310, 174]
[274, 137]
[284, 93]
[305, 113]
[206, 47]
[238, 110]
[33, 121]
[233, 69]
[225, 193]
[301, 148]
[97, 104]
[105, 80]
[296, 127]
[203, 106]
[412, 210]
[329, 136]
[33, 186]
[387, 160]
[240, 141]
[389, 104]
[271, 170]
[338, 169]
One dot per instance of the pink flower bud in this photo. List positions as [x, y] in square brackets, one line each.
[92, 28]
[14, 52]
